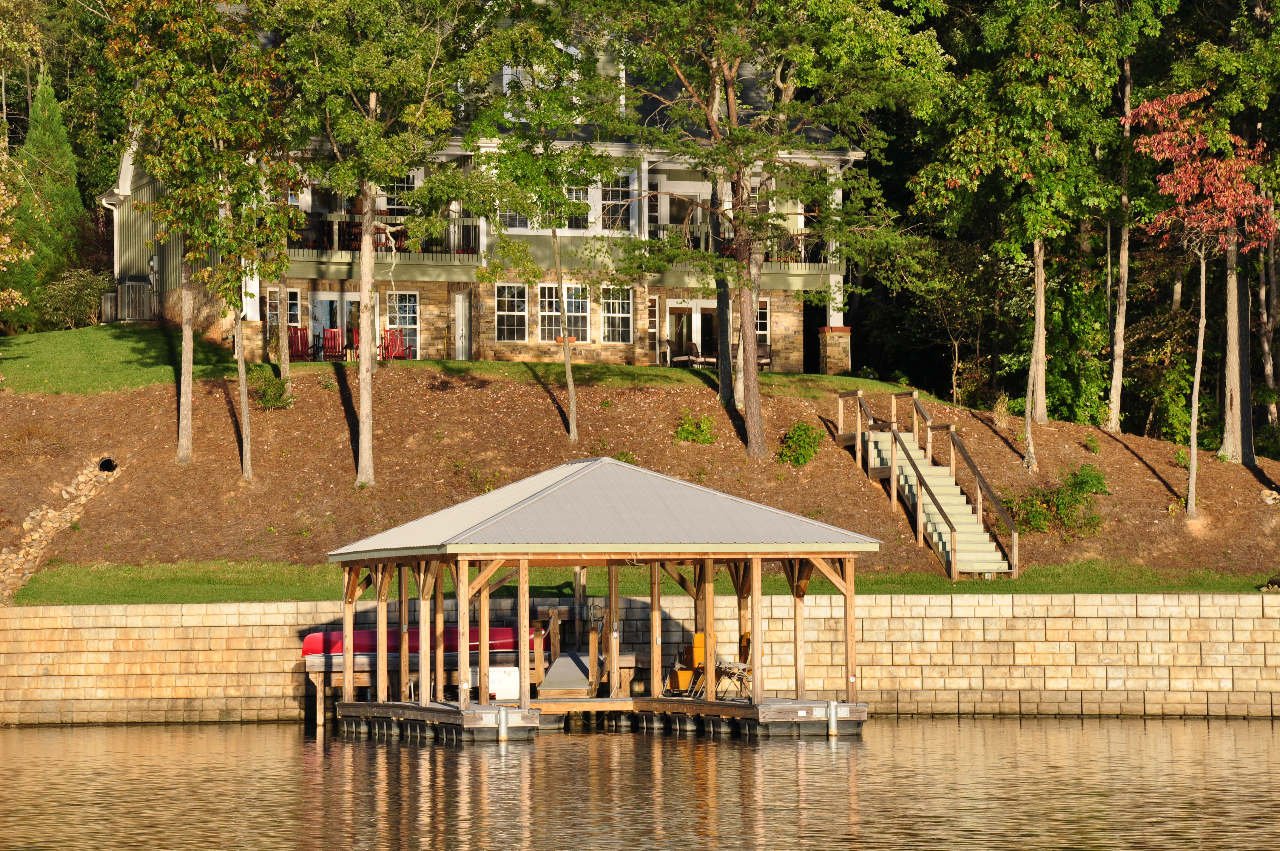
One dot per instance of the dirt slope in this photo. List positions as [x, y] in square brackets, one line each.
[440, 440]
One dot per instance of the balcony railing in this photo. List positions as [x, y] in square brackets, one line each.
[330, 232]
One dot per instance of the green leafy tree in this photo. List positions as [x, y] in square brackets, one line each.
[49, 216]
[765, 98]
[376, 91]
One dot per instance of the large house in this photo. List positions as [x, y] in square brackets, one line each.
[429, 292]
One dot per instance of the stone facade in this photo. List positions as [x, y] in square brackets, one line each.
[833, 350]
[1075, 655]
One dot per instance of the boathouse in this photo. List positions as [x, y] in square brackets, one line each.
[591, 513]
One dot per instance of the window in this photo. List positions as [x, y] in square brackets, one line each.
[273, 308]
[294, 305]
[762, 323]
[402, 313]
[651, 207]
[549, 313]
[615, 205]
[396, 206]
[617, 315]
[511, 313]
[578, 194]
[512, 220]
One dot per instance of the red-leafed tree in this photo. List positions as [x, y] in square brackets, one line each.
[1212, 184]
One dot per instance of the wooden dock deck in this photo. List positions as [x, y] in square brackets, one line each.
[446, 722]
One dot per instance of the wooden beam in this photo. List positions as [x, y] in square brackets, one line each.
[828, 572]
[425, 577]
[744, 611]
[503, 580]
[486, 574]
[798, 637]
[350, 580]
[757, 635]
[522, 632]
[403, 623]
[484, 643]
[850, 634]
[383, 590]
[655, 631]
[463, 590]
[803, 573]
[438, 639]
[615, 617]
[681, 579]
[709, 629]
[579, 602]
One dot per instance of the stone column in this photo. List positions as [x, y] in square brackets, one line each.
[833, 356]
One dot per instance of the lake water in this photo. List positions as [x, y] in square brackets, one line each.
[926, 783]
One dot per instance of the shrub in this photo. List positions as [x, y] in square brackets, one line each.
[74, 300]
[1182, 458]
[692, 430]
[1091, 443]
[1040, 508]
[625, 457]
[800, 444]
[269, 391]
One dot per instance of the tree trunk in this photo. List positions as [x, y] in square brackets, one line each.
[282, 319]
[748, 368]
[1122, 295]
[955, 372]
[188, 358]
[1038, 357]
[246, 452]
[564, 335]
[726, 384]
[1267, 315]
[1029, 456]
[1192, 511]
[1234, 405]
[368, 198]
[1177, 292]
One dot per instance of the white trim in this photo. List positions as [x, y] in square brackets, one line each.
[498, 313]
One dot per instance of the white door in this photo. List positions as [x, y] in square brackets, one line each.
[462, 326]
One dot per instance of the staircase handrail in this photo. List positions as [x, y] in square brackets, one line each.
[924, 486]
[996, 503]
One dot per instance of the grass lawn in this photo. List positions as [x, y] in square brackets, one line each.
[103, 358]
[225, 582]
[125, 356]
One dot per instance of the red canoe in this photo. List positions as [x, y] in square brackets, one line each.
[500, 638]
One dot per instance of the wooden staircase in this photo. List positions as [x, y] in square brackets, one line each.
[941, 513]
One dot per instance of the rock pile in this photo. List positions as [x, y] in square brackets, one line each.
[40, 526]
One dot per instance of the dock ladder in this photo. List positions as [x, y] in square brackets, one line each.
[940, 510]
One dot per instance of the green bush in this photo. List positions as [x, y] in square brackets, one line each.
[625, 457]
[1040, 508]
[800, 444]
[1091, 443]
[692, 430]
[269, 390]
[74, 300]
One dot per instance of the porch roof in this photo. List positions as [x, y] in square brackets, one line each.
[606, 507]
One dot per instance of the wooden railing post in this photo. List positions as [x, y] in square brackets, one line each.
[920, 512]
[928, 446]
[893, 410]
[951, 444]
[857, 446]
[893, 466]
[839, 415]
[955, 556]
[1014, 566]
[915, 416]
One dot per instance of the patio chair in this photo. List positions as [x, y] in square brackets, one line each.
[299, 345]
[394, 346]
[334, 350]
[764, 356]
[689, 358]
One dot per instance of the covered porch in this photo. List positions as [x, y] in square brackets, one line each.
[598, 513]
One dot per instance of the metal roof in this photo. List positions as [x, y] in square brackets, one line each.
[603, 505]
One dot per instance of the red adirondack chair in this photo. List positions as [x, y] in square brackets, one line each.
[333, 347]
[299, 344]
[394, 346]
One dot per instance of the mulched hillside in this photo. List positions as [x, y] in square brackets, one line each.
[441, 439]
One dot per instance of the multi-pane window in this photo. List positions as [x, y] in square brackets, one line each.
[402, 310]
[615, 204]
[549, 313]
[511, 313]
[292, 307]
[294, 304]
[512, 220]
[617, 315]
[396, 189]
[651, 210]
[273, 308]
[762, 323]
[582, 221]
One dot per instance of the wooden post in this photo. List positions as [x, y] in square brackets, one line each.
[484, 644]
[857, 427]
[463, 590]
[839, 415]
[951, 445]
[655, 631]
[383, 586]
[438, 639]
[579, 602]
[699, 600]
[522, 631]
[915, 417]
[744, 611]
[757, 635]
[403, 623]
[850, 633]
[553, 629]
[709, 635]
[920, 509]
[615, 617]
[425, 575]
[928, 446]
[893, 410]
[350, 575]
[593, 657]
[893, 469]
[798, 596]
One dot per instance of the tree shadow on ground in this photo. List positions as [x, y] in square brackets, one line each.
[348, 410]
[1144, 462]
[546, 388]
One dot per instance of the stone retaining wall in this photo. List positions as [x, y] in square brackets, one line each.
[1174, 655]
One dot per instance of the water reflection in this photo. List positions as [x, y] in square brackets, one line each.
[907, 784]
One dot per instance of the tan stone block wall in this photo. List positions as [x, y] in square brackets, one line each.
[1159, 655]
